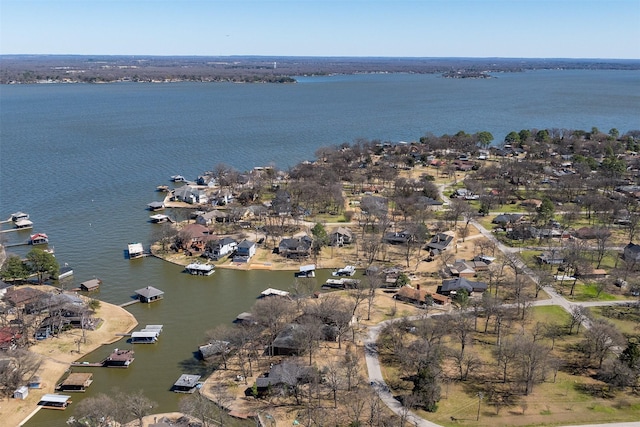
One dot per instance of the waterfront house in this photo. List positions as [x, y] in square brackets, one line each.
[186, 384]
[453, 286]
[19, 298]
[90, 285]
[149, 294]
[189, 194]
[76, 382]
[295, 247]
[214, 348]
[244, 251]
[220, 248]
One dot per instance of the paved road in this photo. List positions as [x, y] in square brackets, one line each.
[371, 351]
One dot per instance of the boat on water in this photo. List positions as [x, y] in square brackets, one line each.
[38, 239]
[197, 269]
[348, 270]
[178, 178]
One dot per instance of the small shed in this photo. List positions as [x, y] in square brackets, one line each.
[186, 384]
[149, 294]
[21, 393]
[90, 285]
[77, 381]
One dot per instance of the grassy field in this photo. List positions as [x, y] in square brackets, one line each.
[564, 399]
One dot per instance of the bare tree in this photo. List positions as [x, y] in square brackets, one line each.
[601, 337]
[199, 407]
[139, 405]
[273, 313]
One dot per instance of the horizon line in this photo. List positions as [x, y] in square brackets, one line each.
[322, 56]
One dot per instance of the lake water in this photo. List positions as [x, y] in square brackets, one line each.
[84, 161]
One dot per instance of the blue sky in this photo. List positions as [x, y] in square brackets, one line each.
[418, 28]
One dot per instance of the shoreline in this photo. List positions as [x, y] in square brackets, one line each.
[57, 355]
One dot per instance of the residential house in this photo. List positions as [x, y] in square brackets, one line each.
[439, 242]
[4, 286]
[419, 296]
[631, 252]
[211, 217]
[589, 233]
[23, 296]
[245, 251]
[295, 247]
[397, 237]
[195, 237]
[287, 374]
[461, 268]
[550, 257]
[340, 236]
[9, 337]
[189, 194]
[222, 197]
[220, 248]
[453, 286]
[507, 219]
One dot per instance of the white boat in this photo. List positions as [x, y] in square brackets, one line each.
[178, 178]
[348, 270]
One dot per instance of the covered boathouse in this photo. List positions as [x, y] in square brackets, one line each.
[55, 401]
[186, 384]
[77, 382]
[90, 285]
[197, 269]
[119, 359]
[144, 337]
[149, 294]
